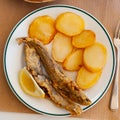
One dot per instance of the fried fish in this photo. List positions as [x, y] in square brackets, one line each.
[34, 66]
[62, 84]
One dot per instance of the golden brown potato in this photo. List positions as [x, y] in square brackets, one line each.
[61, 47]
[94, 57]
[86, 79]
[42, 28]
[74, 60]
[69, 23]
[84, 39]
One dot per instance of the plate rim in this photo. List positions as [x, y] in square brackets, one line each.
[47, 7]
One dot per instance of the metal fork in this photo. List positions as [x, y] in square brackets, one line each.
[114, 97]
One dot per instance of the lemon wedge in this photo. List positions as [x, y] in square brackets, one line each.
[29, 85]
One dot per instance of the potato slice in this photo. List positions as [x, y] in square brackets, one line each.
[74, 60]
[42, 28]
[62, 47]
[84, 39]
[69, 23]
[86, 79]
[94, 57]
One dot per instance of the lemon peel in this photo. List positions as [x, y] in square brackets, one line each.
[29, 85]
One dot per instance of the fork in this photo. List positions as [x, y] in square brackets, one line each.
[114, 97]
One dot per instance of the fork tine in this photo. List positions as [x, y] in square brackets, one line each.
[117, 31]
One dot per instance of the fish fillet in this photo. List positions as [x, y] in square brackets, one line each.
[34, 66]
[62, 84]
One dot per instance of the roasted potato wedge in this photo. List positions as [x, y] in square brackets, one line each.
[74, 61]
[84, 39]
[42, 28]
[94, 57]
[69, 23]
[62, 47]
[86, 79]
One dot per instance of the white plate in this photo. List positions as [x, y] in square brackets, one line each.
[14, 59]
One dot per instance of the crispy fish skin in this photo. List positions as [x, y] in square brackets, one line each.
[60, 101]
[63, 85]
[32, 61]
[33, 65]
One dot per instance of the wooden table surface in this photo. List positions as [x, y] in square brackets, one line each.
[11, 11]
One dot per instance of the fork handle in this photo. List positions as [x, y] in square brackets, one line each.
[114, 97]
